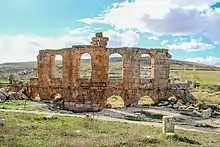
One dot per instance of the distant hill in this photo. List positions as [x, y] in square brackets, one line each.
[174, 64]
[28, 69]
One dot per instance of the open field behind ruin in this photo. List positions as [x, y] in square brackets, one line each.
[205, 74]
[33, 130]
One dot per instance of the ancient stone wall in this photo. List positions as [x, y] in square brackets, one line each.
[95, 91]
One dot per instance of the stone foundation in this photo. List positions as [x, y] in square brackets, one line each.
[75, 107]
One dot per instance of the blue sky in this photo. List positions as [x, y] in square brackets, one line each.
[189, 28]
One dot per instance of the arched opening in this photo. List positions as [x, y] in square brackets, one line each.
[115, 101]
[55, 96]
[58, 66]
[57, 100]
[145, 66]
[34, 96]
[115, 66]
[146, 101]
[85, 66]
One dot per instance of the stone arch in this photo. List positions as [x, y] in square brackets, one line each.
[55, 65]
[34, 96]
[113, 97]
[145, 100]
[120, 51]
[56, 96]
[115, 69]
[151, 63]
[85, 66]
[145, 66]
[115, 101]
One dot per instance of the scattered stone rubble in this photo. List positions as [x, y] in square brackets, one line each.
[6, 95]
[192, 108]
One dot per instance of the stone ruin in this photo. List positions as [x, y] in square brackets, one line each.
[90, 95]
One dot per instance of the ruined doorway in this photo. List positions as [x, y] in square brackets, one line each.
[85, 66]
[115, 67]
[58, 66]
[145, 66]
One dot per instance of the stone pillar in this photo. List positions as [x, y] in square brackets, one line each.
[168, 125]
[131, 69]
[127, 71]
[161, 64]
[152, 62]
[99, 61]
[52, 66]
[66, 68]
[43, 67]
[43, 75]
[136, 67]
[75, 68]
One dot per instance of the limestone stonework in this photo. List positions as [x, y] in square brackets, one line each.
[168, 125]
[81, 93]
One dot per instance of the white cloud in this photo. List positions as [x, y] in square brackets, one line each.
[79, 31]
[164, 42]
[205, 60]
[193, 45]
[170, 17]
[118, 39]
[153, 37]
[25, 48]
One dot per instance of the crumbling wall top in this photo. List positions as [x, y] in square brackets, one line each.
[101, 42]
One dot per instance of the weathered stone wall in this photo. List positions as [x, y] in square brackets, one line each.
[97, 89]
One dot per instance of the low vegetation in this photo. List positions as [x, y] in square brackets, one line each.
[23, 105]
[39, 130]
[117, 101]
[207, 95]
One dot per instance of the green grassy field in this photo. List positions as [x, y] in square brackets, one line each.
[201, 76]
[23, 105]
[37, 131]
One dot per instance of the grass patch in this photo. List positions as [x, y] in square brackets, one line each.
[34, 130]
[4, 82]
[115, 101]
[145, 116]
[202, 76]
[146, 100]
[147, 119]
[207, 95]
[22, 105]
[214, 99]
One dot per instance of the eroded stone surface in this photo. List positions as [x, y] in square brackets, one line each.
[168, 125]
[80, 93]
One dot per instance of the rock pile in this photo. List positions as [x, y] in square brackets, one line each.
[8, 95]
[195, 108]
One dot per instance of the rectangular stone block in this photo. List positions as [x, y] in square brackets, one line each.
[168, 124]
